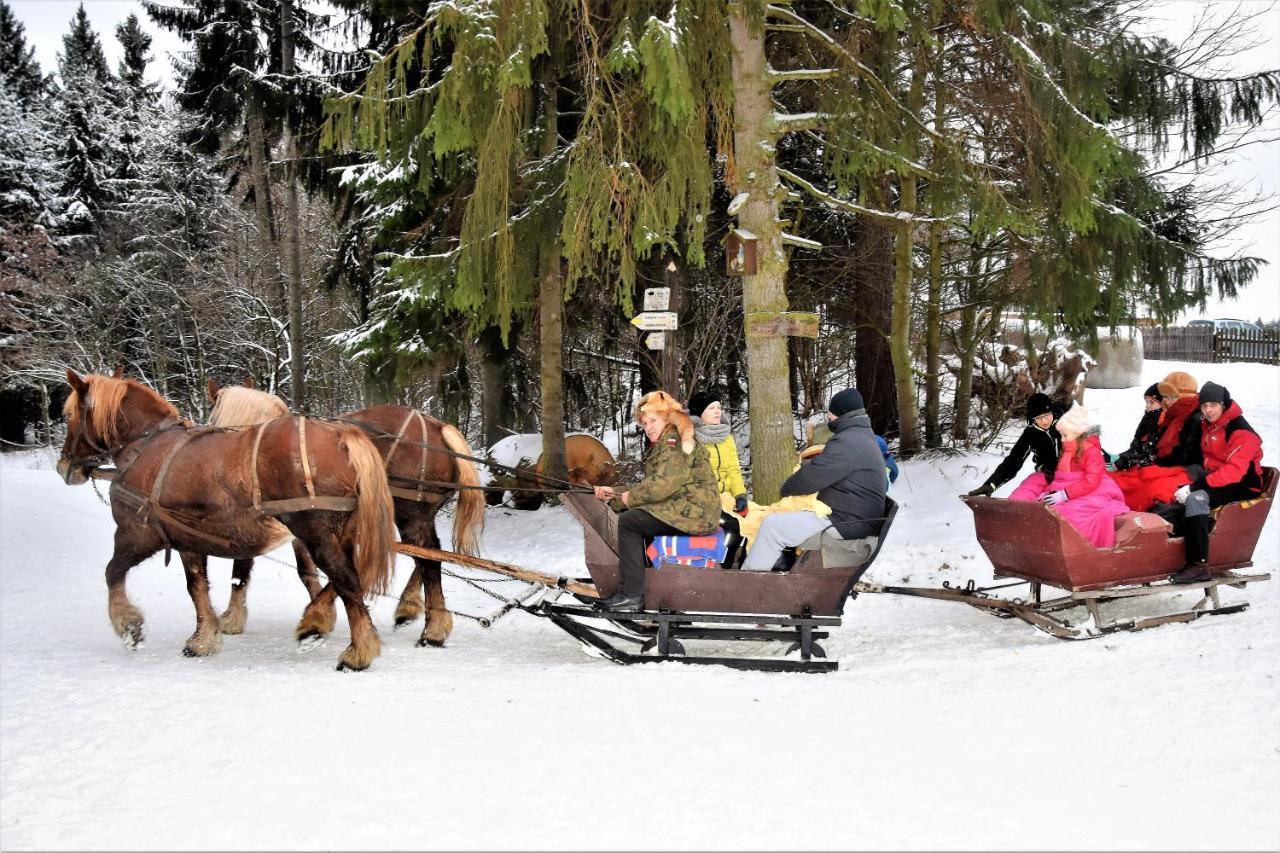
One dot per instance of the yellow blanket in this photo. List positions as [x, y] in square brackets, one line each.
[749, 525]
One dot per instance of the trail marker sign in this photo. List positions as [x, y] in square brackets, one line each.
[656, 340]
[657, 298]
[656, 321]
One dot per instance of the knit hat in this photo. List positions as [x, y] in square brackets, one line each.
[1075, 421]
[1212, 392]
[1184, 382]
[1038, 404]
[1153, 391]
[662, 403]
[1167, 389]
[698, 402]
[845, 402]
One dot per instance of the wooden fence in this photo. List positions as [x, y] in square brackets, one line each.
[1202, 343]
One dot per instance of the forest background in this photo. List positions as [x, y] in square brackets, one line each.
[457, 209]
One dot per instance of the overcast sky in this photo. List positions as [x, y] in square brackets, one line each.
[1257, 167]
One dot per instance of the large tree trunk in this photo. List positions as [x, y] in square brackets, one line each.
[755, 167]
[293, 236]
[933, 341]
[968, 345]
[903, 278]
[551, 318]
[873, 312]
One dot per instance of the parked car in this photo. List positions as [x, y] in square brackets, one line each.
[1227, 324]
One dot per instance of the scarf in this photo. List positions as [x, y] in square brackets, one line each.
[709, 433]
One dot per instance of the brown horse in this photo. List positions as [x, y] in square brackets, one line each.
[209, 492]
[588, 462]
[416, 449]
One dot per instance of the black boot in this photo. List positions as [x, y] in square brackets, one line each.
[1194, 573]
[621, 601]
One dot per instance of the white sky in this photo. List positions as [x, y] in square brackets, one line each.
[1258, 167]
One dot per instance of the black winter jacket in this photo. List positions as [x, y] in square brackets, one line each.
[1142, 450]
[848, 476]
[1044, 445]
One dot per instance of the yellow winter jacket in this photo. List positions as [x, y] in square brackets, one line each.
[724, 462]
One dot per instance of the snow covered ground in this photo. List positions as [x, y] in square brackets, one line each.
[944, 729]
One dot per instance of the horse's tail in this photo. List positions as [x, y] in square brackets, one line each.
[468, 521]
[375, 518]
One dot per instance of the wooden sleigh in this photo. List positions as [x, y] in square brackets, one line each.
[1040, 549]
[796, 608]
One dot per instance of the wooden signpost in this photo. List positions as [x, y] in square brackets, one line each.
[775, 324]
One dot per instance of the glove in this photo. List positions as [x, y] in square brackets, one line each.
[1122, 462]
[1182, 493]
[983, 491]
[1054, 498]
[740, 504]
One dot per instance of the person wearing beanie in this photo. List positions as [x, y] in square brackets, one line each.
[1142, 449]
[1231, 471]
[677, 495]
[707, 412]
[1080, 491]
[1039, 439]
[848, 476]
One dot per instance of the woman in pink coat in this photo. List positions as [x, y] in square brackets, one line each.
[1081, 491]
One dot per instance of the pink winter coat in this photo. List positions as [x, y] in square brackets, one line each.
[1093, 498]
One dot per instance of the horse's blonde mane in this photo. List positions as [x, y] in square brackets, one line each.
[102, 403]
[238, 406]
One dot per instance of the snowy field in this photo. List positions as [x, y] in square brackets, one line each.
[944, 729]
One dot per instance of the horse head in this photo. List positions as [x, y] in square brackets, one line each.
[104, 413]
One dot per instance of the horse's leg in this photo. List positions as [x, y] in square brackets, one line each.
[338, 564]
[411, 604]
[125, 618]
[237, 612]
[318, 619]
[307, 571]
[439, 620]
[208, 638]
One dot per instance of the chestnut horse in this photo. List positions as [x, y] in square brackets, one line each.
[587, 461]
[209, 492]
[416, 449]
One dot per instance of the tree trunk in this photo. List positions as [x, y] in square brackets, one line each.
[873, 313]
[293, 236]
[551, 315]
[755, 168]
[262, 205]
[933, 341]
[903, 278]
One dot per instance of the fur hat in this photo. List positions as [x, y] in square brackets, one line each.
[1184, 382]
[846, 401]
[699, 401]
[1075, 421]
[662, 403]
[1167, 389]
[1039, 404]
[1212, 392]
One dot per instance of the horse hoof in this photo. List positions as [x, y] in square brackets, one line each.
[132, 636]
[230, 624]
[310, 642]
[427, 641]
[344, 666]
[402, 621]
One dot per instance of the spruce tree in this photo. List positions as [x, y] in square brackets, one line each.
[19, 70]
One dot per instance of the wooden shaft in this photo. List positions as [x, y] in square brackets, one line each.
[576, 587]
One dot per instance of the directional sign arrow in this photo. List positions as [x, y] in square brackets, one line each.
[656, 321]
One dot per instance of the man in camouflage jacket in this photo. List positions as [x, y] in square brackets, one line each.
[678, 494]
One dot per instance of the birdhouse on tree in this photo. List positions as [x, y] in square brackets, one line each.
[740, 252]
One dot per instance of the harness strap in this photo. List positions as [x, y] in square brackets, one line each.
[302, 450]
[253, 466]
[422, 469]
[396, 444]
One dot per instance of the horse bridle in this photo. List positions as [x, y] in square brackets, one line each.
[105, 454]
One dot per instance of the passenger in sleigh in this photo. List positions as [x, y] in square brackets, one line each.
[1153, 468]
[1080, 491]
[848, 476]
[1232, 471]
[707, 412]
[677, 496]
[1039, 439]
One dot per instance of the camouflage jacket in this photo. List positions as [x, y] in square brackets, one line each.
[679, 488]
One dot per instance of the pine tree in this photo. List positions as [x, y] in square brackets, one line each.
[82, 56]
[19, 70]
[138, 97]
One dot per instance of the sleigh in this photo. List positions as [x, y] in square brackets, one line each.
[1030, 543]
[733, 608]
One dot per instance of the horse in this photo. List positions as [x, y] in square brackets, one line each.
[426, 459]
[587, 461]
[232, 493]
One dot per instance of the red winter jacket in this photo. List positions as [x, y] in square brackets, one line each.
[1171, 426]
[1091, 463]
[1232, 451]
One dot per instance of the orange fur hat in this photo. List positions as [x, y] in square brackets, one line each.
[1184, 382]
[663, 404]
